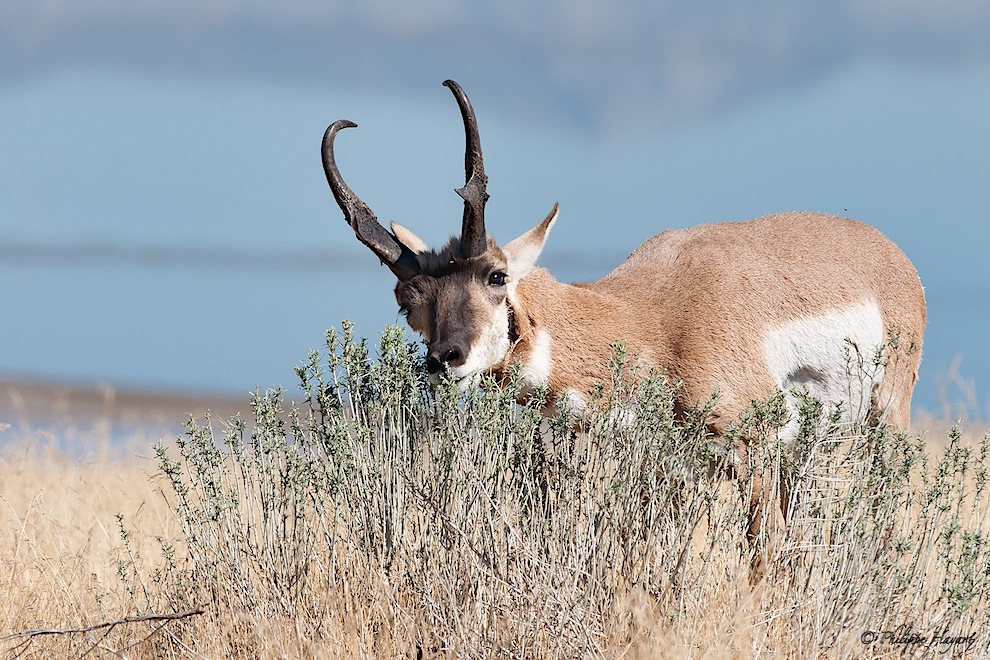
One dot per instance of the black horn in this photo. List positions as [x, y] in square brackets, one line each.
[474, 240]
[393, 254]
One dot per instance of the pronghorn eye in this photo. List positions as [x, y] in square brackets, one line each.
[496, 279]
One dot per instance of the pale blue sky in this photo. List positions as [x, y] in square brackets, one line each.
[164, 221]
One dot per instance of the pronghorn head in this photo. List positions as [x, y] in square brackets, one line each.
[460, 298]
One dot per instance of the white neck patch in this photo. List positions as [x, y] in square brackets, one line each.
[535, 371]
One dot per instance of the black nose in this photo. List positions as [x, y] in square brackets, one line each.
[437, 361]
[433, 365]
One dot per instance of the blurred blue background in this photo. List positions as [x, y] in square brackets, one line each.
[165, 223]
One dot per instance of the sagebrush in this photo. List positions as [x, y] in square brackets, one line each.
[424, 520]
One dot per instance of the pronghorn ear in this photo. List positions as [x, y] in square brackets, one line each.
[523, 252]
[409, 239]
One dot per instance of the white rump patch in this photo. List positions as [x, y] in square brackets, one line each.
[830, 357]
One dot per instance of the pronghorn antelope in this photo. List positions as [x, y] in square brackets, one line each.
[741, 308]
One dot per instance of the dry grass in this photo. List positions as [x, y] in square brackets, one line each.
[383, 519]
[61, 549]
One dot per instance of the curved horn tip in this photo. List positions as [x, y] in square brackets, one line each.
[339, 125]
[459, 94]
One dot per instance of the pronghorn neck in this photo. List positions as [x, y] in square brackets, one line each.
[524, 329]
[560, 335]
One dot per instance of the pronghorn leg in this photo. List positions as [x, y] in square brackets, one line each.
[761, 528]
[768, 502]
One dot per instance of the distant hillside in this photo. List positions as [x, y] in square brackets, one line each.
[579, 65]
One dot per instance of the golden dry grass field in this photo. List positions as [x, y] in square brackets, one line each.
[474, 545]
